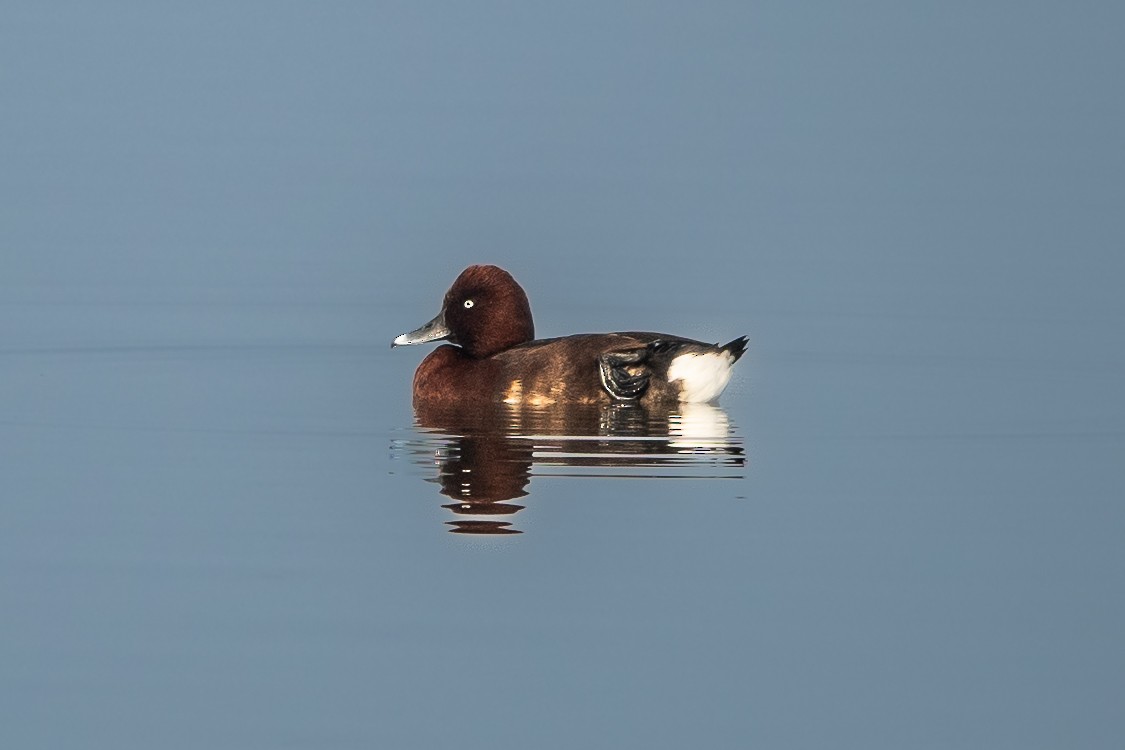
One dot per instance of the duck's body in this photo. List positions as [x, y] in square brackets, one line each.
[498, 359]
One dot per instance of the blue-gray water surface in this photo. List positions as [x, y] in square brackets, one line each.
[223, 525]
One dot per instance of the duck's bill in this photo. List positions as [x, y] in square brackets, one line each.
[435, 330]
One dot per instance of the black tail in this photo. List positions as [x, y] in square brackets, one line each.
[736, 348]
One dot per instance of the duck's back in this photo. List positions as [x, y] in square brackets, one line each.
[607, 367]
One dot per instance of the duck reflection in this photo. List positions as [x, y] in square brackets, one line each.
[486, 457]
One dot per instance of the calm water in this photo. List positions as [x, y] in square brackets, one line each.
[222, 524]
[216, 534]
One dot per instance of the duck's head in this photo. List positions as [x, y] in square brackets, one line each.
[485, 312]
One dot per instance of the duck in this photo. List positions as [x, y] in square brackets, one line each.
[492, 356]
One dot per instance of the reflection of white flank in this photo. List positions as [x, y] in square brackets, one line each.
[702, 376]
[699, 426]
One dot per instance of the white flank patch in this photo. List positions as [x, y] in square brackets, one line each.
[702, 376]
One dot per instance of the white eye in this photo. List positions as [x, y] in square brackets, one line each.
[468, 303]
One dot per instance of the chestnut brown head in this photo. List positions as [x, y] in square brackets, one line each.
[485, 312]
